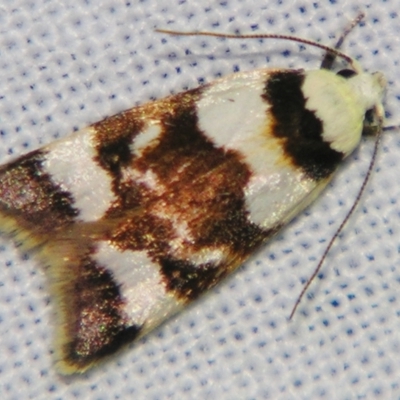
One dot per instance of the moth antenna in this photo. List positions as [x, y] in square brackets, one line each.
[327, 62]
[335, 52]
[341, 226]
[329, 58]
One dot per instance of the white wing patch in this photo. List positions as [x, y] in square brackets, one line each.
[140, 283]
[71, 165]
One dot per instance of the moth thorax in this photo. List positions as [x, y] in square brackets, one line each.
[341, 104]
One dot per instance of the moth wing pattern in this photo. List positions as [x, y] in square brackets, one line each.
[140, 213]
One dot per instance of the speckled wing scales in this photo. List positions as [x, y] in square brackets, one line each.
[142, 212]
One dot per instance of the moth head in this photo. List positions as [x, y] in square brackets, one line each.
[370, 89]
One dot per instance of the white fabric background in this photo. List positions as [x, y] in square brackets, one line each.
[65, 64]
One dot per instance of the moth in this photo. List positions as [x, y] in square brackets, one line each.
[137, 215]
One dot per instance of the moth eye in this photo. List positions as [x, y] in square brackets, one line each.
[346, 73]
[371, 124]
[369, 117]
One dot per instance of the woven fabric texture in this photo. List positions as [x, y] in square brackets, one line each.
[64, 65]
